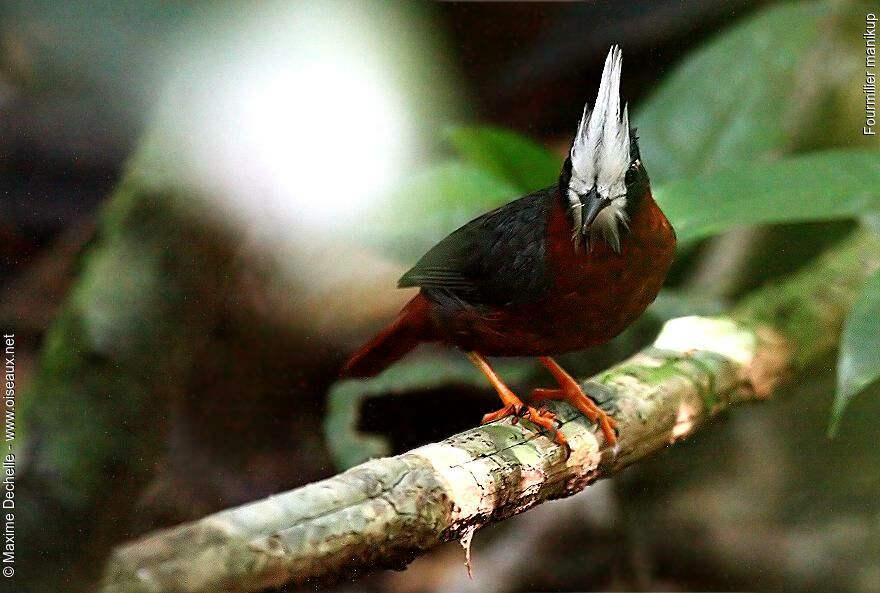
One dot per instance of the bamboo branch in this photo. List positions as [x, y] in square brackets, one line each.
[385, 512]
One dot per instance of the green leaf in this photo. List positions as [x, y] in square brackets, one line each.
[858, 365]
[821, 186]
[507, 155]
[495, 167]
[433, 202]
[747, 95]
[872, 221]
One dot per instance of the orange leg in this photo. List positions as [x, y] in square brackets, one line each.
[512, 405]
[570, 391]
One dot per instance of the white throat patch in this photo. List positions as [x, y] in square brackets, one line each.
[600, 155]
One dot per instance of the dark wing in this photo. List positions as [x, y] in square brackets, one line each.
[496, 259]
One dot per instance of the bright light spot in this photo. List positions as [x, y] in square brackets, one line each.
[684, 421]
[712, 334]
[296, 117]
[323, 138]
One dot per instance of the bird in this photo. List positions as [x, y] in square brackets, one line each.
[564, 268]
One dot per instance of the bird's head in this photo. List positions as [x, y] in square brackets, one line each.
[603, 175]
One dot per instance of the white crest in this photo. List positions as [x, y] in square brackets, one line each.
[600, 154]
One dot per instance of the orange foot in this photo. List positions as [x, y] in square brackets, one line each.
[513, 406]
[544, 418]
[570, 391]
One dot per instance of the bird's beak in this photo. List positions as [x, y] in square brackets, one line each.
[593, 203]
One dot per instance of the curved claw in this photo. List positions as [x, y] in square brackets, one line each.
[585, 405]
[570, 391]
[515, 410]
[547, 419]
[513, 406]
[543, 418]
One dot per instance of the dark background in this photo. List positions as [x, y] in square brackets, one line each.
[761, 501]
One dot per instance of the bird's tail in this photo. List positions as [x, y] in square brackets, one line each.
[391, 344]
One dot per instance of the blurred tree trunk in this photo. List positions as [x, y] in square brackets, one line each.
[185, 372]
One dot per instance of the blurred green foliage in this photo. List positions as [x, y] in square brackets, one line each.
[431, 202]
[507, 155]
[755, 127]
[859, 363]
[760, 90]
[824, 185]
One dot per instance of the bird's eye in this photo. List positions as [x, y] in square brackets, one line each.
[632, 173]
